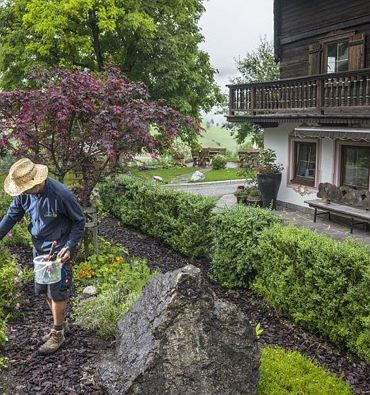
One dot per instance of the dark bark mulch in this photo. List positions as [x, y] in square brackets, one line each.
[277, 329]
[69, 371]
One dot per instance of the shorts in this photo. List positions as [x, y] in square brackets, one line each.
[59, 291]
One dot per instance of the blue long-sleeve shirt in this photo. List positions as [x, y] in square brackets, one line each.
[55, 215]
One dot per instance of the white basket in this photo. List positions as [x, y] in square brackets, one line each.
[47, 272]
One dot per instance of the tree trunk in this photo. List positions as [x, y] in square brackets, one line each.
[96, 39]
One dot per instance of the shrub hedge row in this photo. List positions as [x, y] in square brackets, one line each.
[321, 283]
[235, 233]
[180, 219]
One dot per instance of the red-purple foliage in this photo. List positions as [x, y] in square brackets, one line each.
[77, 121]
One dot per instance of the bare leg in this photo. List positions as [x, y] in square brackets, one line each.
[49, 303]
[58, 309]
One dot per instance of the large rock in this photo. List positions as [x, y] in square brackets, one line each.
[180, 338]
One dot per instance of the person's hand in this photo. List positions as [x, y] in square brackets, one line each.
[10, 235]
[64, 254]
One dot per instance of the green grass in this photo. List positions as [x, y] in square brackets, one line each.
[167, 174]
[218, 137]
[223, 174]
[288, 372]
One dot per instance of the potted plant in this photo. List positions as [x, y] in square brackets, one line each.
[253, 197]
[239, 193]
[267, 172]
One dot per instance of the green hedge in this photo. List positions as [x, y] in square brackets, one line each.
[235, 236]
[321, 283]
[182, 220]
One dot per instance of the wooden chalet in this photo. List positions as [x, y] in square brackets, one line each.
[317, 115]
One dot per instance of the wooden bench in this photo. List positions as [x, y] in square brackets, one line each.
[346, 202]
[204, 157]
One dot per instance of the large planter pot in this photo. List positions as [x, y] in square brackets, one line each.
[269, 185]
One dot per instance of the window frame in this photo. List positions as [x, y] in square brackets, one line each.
[341, 174]
[337, 62]
[338, 176]
[335, 38]
[298, 180]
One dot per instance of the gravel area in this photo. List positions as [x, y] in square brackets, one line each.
[277, 329]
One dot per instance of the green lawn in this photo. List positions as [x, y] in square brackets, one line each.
[167, 174]
[218, 137]
[223, 174]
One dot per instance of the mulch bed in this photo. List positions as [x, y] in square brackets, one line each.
[277, 329]
[69, 371]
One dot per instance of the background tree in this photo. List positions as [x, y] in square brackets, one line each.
[78, 122]
[256, 66]
[259, 65]
[156, 42]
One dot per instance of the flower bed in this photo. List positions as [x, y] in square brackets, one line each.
[119, 283]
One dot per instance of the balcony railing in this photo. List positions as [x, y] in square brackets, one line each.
[330, 93]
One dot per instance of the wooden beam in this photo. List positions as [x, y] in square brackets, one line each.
[327, 29]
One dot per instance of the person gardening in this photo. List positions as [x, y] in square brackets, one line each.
[56, 216]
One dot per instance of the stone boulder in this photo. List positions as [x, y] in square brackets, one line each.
[180, 338]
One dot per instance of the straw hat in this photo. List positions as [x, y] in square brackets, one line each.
[24, 175]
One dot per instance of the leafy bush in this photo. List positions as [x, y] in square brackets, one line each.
[286, 372]
[100, 268]
[219, 162]
[180, 219]
[235, 237]
[20, 235]
[321, 283]
[120, 285]
[11, 278]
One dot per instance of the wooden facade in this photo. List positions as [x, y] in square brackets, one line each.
[315, 85]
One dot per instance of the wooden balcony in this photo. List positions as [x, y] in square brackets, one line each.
[323, 97]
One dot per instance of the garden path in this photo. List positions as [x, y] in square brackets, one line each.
[278, 330]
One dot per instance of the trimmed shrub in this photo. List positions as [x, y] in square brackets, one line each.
[235, 234]
[181, 219]
[219, 162]
[321, 283]
[288, 372]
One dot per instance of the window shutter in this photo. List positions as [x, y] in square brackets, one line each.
[314, 59]
[357, 52]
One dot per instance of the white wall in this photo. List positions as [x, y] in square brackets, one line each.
[278, 140]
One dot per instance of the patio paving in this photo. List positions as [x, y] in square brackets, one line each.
[336, 230]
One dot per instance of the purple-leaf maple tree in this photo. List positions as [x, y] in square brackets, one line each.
[87, 124]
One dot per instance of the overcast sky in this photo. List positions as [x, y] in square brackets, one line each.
[231, 29]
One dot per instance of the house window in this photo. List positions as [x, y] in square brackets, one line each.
[355, 166]
[304, 163]
[337, 59]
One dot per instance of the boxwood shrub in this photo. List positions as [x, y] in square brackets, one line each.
[235, 237]
[321, 283]
[181, 219]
